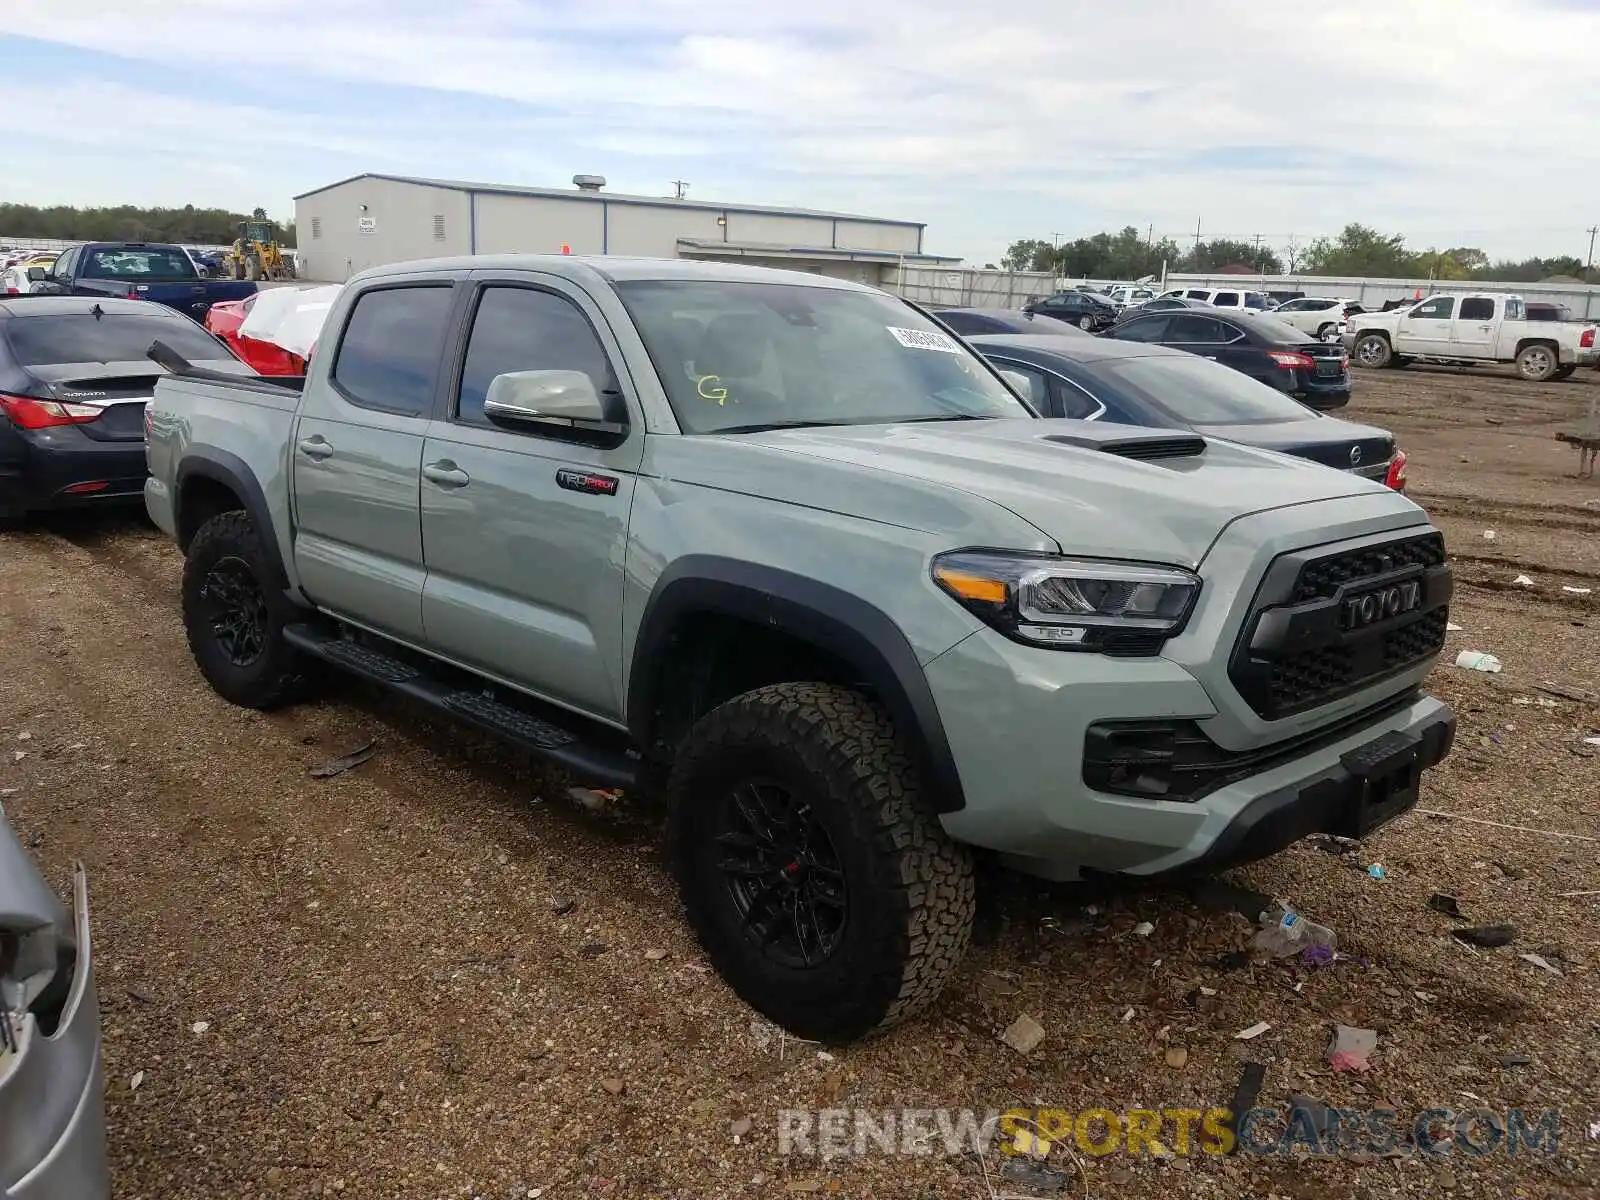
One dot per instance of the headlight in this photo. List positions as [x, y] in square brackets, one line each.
[1070, 603]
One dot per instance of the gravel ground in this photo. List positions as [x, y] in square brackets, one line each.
[435, 976]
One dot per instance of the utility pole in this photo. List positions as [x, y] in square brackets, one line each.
[1055, 241]
[1591, 231]
[1197, 235]
[680, 186]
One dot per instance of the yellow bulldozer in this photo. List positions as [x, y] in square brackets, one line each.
[256, 253]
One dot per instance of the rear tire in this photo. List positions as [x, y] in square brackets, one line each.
[1537, 363]
[795, 817]
[1086, 323]
[1325, 332]
[234, 614]
[1372, 351]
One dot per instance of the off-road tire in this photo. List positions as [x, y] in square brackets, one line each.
[1374, 358]
[1537, 363]
[280, 675]
[910, 890]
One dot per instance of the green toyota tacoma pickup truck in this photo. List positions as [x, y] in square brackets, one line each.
[785, 550]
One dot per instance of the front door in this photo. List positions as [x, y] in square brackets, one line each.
[1427, 328]
[356, 460]
[524, 529]
[1475, 328]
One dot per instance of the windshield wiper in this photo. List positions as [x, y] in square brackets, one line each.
[768, 426]
[946, 417]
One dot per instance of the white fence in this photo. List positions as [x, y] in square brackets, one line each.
[1582, 299]
[970, 287]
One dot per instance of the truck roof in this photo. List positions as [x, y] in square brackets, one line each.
[613, 268]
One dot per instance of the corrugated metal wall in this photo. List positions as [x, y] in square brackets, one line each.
[969, 287]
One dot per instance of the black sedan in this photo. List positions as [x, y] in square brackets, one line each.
[74, 381]
[1271, 351]
[1088, 312]
[1160, 304]
[1101, 379]
[967, 321]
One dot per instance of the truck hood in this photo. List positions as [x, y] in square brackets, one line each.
[1092, 488]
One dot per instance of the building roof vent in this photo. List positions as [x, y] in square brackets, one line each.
[588, 183]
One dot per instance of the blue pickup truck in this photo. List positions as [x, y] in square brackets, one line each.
[137, 271]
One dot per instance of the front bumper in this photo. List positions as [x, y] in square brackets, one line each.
[1018, 725]
[52, 1105]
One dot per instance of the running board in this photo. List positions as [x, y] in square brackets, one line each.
[526, 723]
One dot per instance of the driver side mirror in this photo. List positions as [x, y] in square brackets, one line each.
[564, 399]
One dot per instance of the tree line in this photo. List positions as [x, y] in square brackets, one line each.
[1357, 250]
[127, 223]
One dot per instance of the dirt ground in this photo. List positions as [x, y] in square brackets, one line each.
[436, 976]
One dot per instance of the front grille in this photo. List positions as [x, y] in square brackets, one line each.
[1323, 577]
[1298, 651]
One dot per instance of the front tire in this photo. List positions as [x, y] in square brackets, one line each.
[821, 888]
[235, 615]
[1373, 351]
[1537, 363]
[1086, 323]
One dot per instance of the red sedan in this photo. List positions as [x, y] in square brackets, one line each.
[224, 320]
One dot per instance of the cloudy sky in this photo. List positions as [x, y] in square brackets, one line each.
[1455, 122]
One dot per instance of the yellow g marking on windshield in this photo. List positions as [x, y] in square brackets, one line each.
[708, 386]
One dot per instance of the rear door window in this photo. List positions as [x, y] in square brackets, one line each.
[1226, 300]
[1477, 308]
[388, 358]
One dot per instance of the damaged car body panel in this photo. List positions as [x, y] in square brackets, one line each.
[52, 1108]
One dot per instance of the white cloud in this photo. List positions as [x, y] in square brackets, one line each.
[1453, 121]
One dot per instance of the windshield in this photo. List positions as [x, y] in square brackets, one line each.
[740, 356]
[60, 339]
[1193, 391]
[144, 263]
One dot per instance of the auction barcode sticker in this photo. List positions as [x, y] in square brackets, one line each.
[923, 339]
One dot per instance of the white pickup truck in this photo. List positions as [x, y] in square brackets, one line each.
[1471, 330]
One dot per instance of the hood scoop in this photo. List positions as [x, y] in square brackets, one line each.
[1148, 447]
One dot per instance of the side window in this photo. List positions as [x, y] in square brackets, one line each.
[1226, 300]
[520, 329]
[64, 264]
[1072, 401]
[389, 354]
[1198, 294]
[1143, 329]
[1437, 309]
[1192, 327]
[1477, 308]
[1037, 390]
[1293, 306]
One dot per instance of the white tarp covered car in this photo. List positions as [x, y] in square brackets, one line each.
[290, 318]
[52, 1107]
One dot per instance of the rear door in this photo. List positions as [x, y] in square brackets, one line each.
[524, 530]
[1476, 327]
[1428, 328]
[356, 457]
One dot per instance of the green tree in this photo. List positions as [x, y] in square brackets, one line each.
[1359, 250]
[1029, 254]
[1227, 252]
[208, 226]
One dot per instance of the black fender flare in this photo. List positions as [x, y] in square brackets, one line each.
[220, 466]
[831, 619]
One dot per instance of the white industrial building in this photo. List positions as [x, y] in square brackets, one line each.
[370, 220]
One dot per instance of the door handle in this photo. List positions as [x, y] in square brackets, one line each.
[446, 474]
[317, 447]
